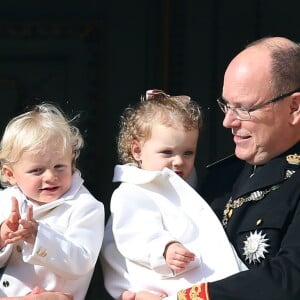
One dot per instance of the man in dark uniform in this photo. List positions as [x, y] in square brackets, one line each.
[256, 192]
[260, 211]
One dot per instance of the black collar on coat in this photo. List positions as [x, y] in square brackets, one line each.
[271, 173]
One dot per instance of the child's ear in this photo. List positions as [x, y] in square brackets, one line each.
[8, 173]
[136, 150]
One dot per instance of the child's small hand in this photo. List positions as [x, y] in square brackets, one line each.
[142, 295]
[177, 256]
[11, 224]
[40, 294]
[27, 230]
[127, 295]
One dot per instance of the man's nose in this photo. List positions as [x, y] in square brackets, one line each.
[230, 118]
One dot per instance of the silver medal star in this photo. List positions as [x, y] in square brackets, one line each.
[255, 247]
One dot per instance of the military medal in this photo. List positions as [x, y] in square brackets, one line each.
[255, 247]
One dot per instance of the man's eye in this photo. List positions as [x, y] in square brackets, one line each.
[243, 109]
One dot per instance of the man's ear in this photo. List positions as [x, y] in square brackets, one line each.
[136, 149]
[295, 109]
[8, 173]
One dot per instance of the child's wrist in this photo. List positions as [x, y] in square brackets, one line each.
[2, 237]
[2, 245]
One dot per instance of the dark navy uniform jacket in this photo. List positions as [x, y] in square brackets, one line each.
[263, 224]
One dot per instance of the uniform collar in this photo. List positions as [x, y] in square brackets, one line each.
[269, 174]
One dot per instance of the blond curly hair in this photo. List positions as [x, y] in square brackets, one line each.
[136, 121]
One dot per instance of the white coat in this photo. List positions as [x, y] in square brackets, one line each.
[150, 209]
[68, 242]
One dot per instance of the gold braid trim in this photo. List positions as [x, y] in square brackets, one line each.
[196, 292]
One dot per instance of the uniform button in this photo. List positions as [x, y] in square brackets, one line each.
[259, 222]
[41, 252]
[5, 283]
[19, 248]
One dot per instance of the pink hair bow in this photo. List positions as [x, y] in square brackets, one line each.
[150, 94]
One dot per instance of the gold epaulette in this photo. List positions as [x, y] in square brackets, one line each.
[293, 159]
